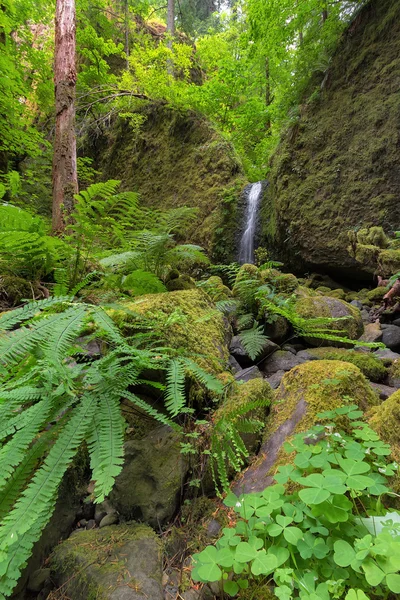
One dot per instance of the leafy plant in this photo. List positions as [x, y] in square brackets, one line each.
[50, 402]
[253, 340]
[324, 540]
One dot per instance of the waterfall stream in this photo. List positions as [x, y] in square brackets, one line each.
[246, 251]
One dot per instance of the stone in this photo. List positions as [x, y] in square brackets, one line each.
[369, 364]
[110, 519]
[233, 364]
[247, 374]
[384, 391]
[391, 337]
[394, 374]
[99, 516]
[365, 316]
[386, 355]
[275, 379]
[372, 333]
[121, 562]
[280, 361]
[289, 348]
[396, 322]
[347, 318]
[149, 485]
[305, 391]
[385, 420]
[213, 529]
[91, 524]
[238, 351]
[357, 304]
[37, 580]
[278, 331]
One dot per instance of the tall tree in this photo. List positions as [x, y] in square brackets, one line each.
[65, 179]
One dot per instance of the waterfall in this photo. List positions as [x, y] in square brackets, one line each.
[246, 252]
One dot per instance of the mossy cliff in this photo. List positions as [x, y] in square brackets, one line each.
[176, 158]
[337, 169]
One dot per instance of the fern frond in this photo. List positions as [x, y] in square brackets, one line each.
[209, 381]
[23, 525]
[65, 331]
[152, 412]
[107, 445]
[253, 340]
[175, 388]
[11, 318]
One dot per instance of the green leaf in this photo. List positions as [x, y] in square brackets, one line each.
[231, 588]
[292, 535]
[263, 563]
[356, 595]
[344, 553]
[244, 552]
[393, 582]
[373, 574]
[336, 510]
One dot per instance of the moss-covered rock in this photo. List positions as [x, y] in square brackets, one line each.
[335, 169]
[175, 158]
[385, 420]
[215, 288]
[368, 364]
[15, 289]
[184, 319]
[340, 294]
[303, 393]
[149, 485]
[284, 283]
[388, 262]
[377, 294]
[394, 374]
[183, 282]
[109, 563]
[348, 322]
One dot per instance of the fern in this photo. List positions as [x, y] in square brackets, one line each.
[253, 340]
[175, 388]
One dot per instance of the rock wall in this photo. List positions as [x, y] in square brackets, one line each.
[337, 169]
[176, 158]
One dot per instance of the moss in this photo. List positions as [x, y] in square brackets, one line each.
[340, 294]
[257, 591]
[394, 370]
[176, 158]
[376, 294]
[323, 384]
[184, 319]
[348, 317]
[336, 172]
[322, 289]
[247, 271]
[369, 365]
[241, 394]
[215, 288]
[15, 289]
[284, 283]
[388, 262]
[385, 420]
[180, 283]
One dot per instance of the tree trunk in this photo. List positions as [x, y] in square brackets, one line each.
[65, 179]
[267, 92]
[126, 27]
[171, 21]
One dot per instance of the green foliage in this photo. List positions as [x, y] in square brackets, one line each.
[25, 248]
[329, 538]
[51, 401]
[253, 340]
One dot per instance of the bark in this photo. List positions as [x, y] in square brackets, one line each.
[171, 21]
[65, 179]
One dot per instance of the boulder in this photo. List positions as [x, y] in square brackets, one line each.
[247, 374]
[384, 391]
[385, 420]
[275, 379]
[394, 374]
[121, 562]
[216, 289]
[150, 483]
[391, 337]
[304, 392]
[368, 364]
[386, 355]
[372, 332]
[234, 365]
[281, 360]
[193, 324]
[349, 322]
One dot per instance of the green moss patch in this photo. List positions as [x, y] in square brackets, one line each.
[369, 365]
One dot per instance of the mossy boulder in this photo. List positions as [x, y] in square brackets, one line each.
[186, 320]
[336, 168]
[347, 321]
[183, 282]
[216, 289]
[174, 158]
[394, 374]
[284, 283]
[368, 364]
[376, 294]
[149, 486]
[112, 563]
[303, 393]
[246, 272]
[385, 420]
[15, 289]
[388, 262]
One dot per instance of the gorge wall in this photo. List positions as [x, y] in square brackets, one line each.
[337, 169]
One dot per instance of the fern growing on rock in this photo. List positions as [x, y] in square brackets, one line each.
[51, 402]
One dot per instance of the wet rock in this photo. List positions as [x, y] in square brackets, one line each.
[110, 519]
[275, 379]
[372, 333]
[247, 374]
[91, 524]
[394, 374]
[149, 485]
[280, 361]
[384, 391]
[289, 348]
[233, 364]
[304, 392]
[37, 580]
[357, 304]
[121, 562]
[238, 351]
[396, 322]
[386, 355]
[391, 337]
[213, 529]
[365, 316]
